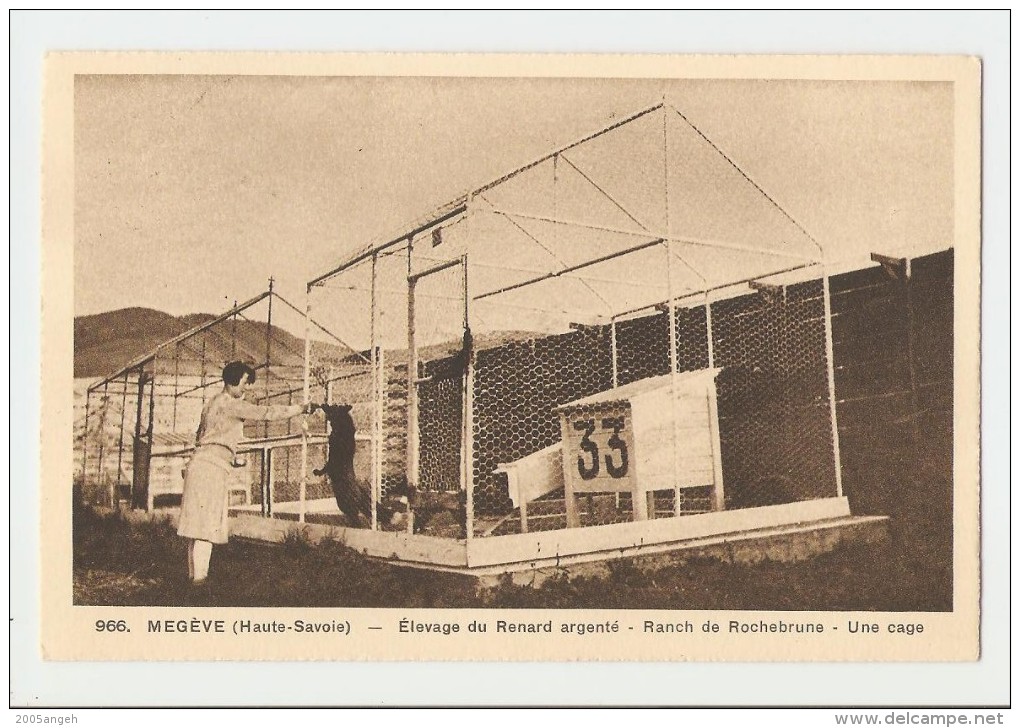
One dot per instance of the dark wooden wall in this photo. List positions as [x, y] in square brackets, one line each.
[893, 354]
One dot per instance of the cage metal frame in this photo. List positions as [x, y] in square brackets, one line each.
[474, 202]
[142, 373]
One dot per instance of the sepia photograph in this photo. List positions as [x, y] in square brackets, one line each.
[436, 367]
[513, 342]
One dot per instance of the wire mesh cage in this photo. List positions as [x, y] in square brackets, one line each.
[629, 328]
[139, 425]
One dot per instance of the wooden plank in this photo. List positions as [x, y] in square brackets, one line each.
[391, 545]
[523, 547]
[534, 475]
[895, 267]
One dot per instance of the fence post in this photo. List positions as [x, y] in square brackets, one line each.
[613, 348]
[120, 440]
[102, 438]
[830, 373]
[673, 357]
[908, 283]
[380, 412]
[412, 386]
[85, 440]
[305, 399]
[467, 438]
[375, 414]
[674, 382]
[719, 493]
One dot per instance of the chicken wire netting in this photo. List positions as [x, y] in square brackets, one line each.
[774, 405]
[107, 441]
[770, 436]
[626, 329]
[355, 462]
[138, 429]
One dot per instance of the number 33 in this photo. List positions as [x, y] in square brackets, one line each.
[590, 470]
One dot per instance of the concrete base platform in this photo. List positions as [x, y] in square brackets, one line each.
[786, 544]
[790, 541]
[777, 543]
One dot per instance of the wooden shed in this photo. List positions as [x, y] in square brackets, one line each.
[639, 439]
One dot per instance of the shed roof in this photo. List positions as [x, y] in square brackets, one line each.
[691, 381]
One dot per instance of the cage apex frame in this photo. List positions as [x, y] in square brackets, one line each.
[547, 368]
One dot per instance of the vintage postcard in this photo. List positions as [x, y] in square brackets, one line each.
[526, 358]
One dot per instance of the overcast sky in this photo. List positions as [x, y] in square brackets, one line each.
[192, 190]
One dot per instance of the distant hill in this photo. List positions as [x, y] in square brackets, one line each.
[105, 342]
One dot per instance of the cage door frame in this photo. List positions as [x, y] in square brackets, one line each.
[413, 433]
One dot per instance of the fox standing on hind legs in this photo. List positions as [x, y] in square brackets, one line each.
[352, 498]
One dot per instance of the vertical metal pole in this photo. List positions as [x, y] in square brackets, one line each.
[264, 483]
[233, 333]
[412, 387]
[375, 417]
[268, 459]
[379, 414]
[708, 332]
[830, 373]
[149, 431]
[719, 492]
[674, 364]
[467, 438]
[177, 362]
[269, 343]
[616, 383]
[908, 283]
[612, 343]
[120, 442]
[202, 375]
[136, 438]
[85, 441]
[102, 436]
[152, 401]
[328, 394]
[674, 382]
[304, 429]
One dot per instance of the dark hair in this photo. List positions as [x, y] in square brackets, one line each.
[233, 372]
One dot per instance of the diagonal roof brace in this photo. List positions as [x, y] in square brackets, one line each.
[460, 203]
[181, 337]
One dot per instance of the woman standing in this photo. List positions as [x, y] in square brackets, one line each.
[204, 503]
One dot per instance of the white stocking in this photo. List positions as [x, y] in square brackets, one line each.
[199, 553]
